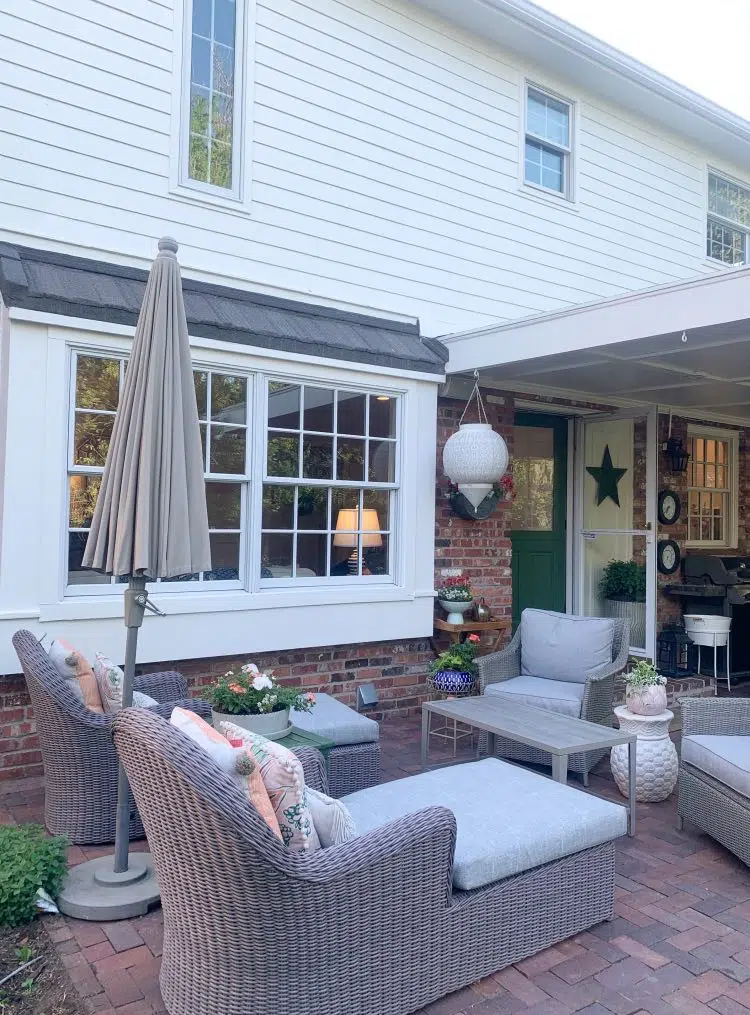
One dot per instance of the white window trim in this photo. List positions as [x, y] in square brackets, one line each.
[732, 526]
[729, 223]
[251, 584]
[568, 194]
[181, 186]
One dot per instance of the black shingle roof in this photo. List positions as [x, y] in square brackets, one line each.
[100, 291]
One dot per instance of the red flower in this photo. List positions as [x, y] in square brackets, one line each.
[473, 638]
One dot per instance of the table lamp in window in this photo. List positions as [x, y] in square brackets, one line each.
[349, 528]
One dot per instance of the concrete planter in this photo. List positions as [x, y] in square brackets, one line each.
[272, 725]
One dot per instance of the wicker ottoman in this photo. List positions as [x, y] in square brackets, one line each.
[354, 763]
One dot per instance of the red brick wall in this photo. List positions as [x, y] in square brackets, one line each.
[481, 549]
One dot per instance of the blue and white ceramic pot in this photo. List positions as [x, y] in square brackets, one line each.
[452, 681]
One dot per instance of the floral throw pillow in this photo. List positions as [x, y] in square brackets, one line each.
[109, 680]
[284, 780]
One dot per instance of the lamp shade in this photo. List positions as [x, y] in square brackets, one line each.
[474, 458]
[348, 526]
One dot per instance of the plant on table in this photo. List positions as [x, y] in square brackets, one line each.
[30, 861]
[245, 690]
[455, 596]
[646, 689]
[455, 669]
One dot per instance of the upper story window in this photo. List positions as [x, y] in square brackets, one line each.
[318, 504]
[211, 134]
[548, 142]
[728, 226]
[330, 482]
[712, 487]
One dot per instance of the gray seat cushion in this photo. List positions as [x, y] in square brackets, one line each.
[559, 646]
[508, 819]
[565, 697]
[724, 758]
[333, 719]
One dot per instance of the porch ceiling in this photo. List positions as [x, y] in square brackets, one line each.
[630, 350]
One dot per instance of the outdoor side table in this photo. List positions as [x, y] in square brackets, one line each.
[452, 730]
[656, 760]
[306, 738]
[499, 626]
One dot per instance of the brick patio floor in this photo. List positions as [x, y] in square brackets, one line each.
[680, 941]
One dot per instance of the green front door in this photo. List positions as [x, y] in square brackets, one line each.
[538, 512]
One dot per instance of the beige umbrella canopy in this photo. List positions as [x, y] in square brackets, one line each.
[150, 518]
[150, 522]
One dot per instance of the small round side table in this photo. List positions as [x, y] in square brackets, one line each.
[656, 757]
[451, 730]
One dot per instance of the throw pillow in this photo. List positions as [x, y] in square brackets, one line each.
[285, 782]
[141, 700]
[230, 759]
[109, 680]
[333, 822]
[74, 668]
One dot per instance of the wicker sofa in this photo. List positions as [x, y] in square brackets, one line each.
[584, 694]
[80, 764]
[373, 925]
[714, 782]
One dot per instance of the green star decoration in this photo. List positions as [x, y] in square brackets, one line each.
[607, 477]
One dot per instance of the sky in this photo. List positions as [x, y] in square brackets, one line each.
[699, 43]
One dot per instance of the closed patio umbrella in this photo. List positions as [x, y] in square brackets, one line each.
[150, 519]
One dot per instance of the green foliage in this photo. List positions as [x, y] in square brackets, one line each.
[459, 657]
[29, 860]
[624, 580]
[244, 690]
[644, 674]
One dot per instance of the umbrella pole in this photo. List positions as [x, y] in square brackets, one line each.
[135, 606]
[112, 887]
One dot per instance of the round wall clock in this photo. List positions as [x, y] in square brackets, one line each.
[669, 507]
[667, 556]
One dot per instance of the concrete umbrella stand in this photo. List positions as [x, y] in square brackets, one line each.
[150, 522]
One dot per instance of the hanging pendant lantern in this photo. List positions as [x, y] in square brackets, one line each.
[475, 457]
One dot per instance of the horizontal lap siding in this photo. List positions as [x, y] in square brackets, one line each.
[385, 163]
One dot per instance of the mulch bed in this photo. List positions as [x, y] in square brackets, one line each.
[44, 988]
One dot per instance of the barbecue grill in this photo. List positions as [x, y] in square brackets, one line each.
[719, 586]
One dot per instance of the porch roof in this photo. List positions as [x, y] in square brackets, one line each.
[685, 346]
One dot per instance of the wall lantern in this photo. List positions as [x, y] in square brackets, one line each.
[475, 457]
[676, 455]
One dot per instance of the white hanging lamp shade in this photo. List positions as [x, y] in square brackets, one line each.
[475, 457]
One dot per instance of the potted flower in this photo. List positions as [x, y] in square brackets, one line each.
[254, 700]
[622, 586]
[454, 671]
[454, 595]
[646, 692]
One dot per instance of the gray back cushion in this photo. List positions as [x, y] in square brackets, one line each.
[560, 646]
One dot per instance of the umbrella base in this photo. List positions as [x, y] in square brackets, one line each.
[92, 890]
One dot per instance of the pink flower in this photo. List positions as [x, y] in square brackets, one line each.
[237, 688]
[473, 638]
[310, 696]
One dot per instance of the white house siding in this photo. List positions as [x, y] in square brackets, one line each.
[383, 149]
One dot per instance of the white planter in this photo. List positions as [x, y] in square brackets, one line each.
[635, 613]
[650, 700]
[273, 725]
[474, 458]
[455, 611]
[706, 629]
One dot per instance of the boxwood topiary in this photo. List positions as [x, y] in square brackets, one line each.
[29, 860]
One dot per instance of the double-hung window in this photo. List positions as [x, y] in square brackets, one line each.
[712, 487]
[728, 226]
[330, 483]
[222, 408]
[548, 142]
[211, 132]
[315, 503]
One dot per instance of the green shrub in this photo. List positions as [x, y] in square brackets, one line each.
[624, 580]
[29, 860]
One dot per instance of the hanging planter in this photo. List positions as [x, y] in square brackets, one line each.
[475, 457]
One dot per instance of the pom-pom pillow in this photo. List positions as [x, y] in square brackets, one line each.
[285, 782]
[72, 666]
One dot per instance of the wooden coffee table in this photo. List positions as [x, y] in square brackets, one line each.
[558, 735]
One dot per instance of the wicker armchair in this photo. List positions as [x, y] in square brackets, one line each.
[597, 697]
[80, 763]
[373, 925]
[706, 801]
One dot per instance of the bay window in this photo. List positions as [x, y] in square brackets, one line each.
[318, 505]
